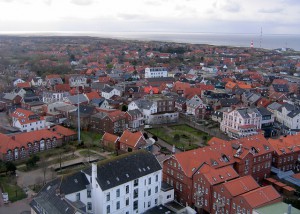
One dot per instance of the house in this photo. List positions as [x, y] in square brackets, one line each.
[37, 81]
[131, 141]
[11, 99]
[286, 152]
[156, 72]
[108, 91]
[196, 107]
[101, 189]
[17, 81]
[53, 96]
[112, 121]
[110, 141]
[135, 119]
[180, 104]
[52, 80]
[22, 145]
[289, 116]
[247, 156]
[27, 121]
[85, 112]
[75, 99]
[75, 80]
[241, 122]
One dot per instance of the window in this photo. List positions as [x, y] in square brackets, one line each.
[78, 196]
[118, 192]
[156, 178]
[168, 196]
[127, 201]
[88, 193]
[136, 182]
[108, 196]
[127, 189]
[135, 205]
[135, 193]
[107, 209]
[155, 201]
[89, 206]
[118, 205]
[149, 181]
[156, 189]
[149, 192]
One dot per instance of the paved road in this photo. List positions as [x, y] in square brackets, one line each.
[16, 207]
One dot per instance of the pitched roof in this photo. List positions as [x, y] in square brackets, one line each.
[261, 196]
[92, 95]
[110, 137]
[219, 175]
[285, 145]
[241, 185]
[131, 138]
[125, 168]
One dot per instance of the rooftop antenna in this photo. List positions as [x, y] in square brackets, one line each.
[260, 40]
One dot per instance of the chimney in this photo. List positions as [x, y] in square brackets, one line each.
[94, 170]
[281, 139]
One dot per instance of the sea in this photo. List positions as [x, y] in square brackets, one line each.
[266, 41]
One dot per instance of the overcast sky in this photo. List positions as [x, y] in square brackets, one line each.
[224, 16]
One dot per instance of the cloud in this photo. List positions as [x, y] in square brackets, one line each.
[82, 2]
[271, 10]
[48, 2]
[6, 1]
[130, 17]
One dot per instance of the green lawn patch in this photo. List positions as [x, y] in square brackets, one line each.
[8, 184]
[184, 137]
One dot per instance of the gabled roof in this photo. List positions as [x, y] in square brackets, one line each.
[241, 185]
[261, 196]
[125, 168]
[110, 137]
[285, 145]
[131, 138]
[92, 95]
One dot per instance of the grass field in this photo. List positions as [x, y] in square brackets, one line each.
[8, 185]
[189, 138]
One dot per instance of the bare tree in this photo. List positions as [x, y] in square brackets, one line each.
[44, 167]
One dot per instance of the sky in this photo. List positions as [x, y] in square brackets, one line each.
[183, 16]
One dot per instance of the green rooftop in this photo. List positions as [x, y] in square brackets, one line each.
[278, 208]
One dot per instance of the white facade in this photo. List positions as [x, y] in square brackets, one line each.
[156, 72]
[76, 81]
[29, 126]
[291, 121]
[241, 122]
[50, 97]
[108, 95]
[135, 196]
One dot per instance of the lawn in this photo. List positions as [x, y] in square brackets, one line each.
[90, 137]
[187, 137]
[8, 185]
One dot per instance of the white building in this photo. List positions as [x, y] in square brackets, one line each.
[129, 184]
[241, 122]
[108, 91]
[289, 116]
[53, 96]
[17, 81]
[156, 72]
[27, 121]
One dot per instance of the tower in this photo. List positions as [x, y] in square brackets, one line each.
[251, 46]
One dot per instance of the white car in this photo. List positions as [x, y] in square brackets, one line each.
[5, 197]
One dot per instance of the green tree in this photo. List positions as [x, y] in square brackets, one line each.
[124, 107]
[176, 138]
[10, 167]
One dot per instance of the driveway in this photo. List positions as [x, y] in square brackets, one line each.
[17, 207]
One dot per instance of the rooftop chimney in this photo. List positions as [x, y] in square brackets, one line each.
[94, 170]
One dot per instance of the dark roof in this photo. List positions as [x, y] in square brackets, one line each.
[51, 202]
[280, 88]
[161, 79]
[73, 183]
[125, 168]
[180, 100]
[159, 210]
[229, 102]
[294, 113]
[263, 111]
[134, 112]
[132, 88]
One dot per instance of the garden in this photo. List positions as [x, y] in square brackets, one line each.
[184, 137]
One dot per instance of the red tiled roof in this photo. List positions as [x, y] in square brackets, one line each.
[154, 90]
[92, 95]
[288, 144]
[261, 196]
[110, 137]
[63, 131]
[116, 115]
[219, 175]
[230, 85]
[62, 87]
[24, 85]
[297, 176]
[130, 138]
[241, 185]
[50, 76]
